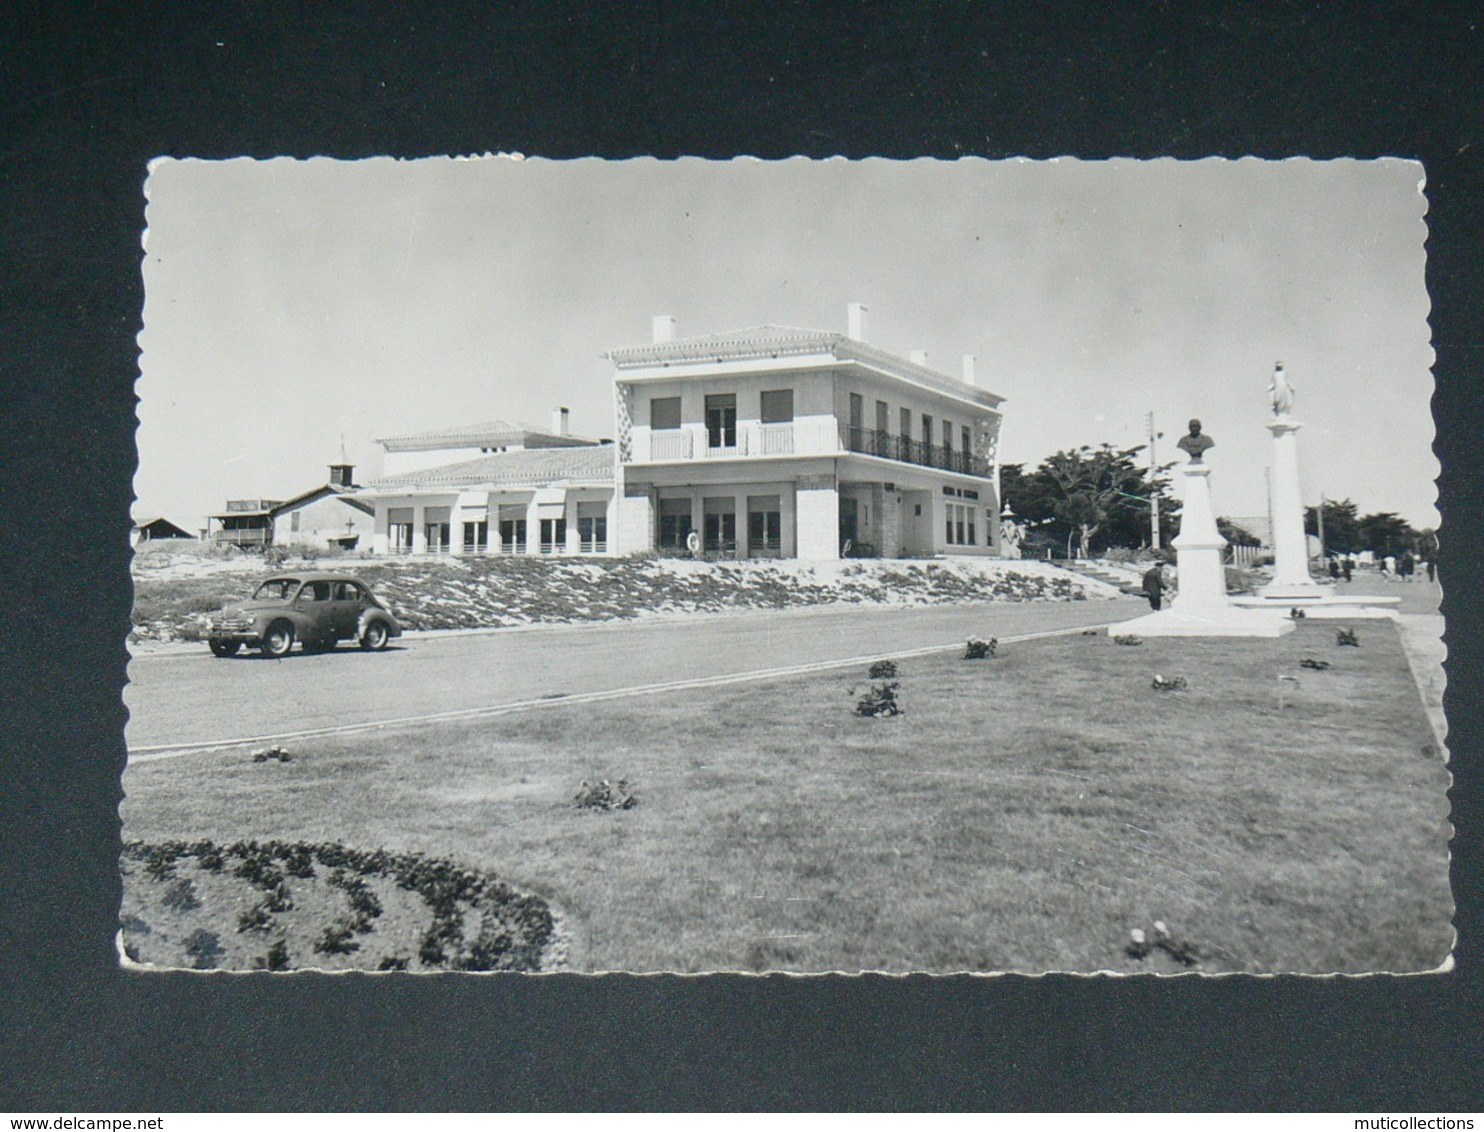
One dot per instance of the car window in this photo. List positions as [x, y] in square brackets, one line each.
[276, 588]
[347, 591]
[315, 591]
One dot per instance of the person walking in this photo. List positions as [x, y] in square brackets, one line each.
[1347, 566]
[1154, 585]
[1407, 566]
[1334, 568]
[1432, 570]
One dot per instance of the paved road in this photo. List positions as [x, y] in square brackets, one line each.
[192, 697]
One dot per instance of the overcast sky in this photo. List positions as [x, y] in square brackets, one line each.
[291, 303]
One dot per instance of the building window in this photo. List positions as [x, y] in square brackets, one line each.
[721, 420]
[857, 410]
[927, 432]
[947, 436]
[764, 526]
[777, 406]
[512, 536]
[674, 523]
[476, 537]
[958, 525]
[719, 526]
[399, 537]
[973, 534]
[592, 528]
[554, 536]
[664, 412]
[883, 417]
[294, 522]
[968, 443]
[437, 535]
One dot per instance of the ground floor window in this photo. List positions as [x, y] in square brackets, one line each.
[675, 524]
[554, 536]
[476, 537]
[512, 536]
[437, 534]
[764, 525]
[399, 537]
[719, 531]
[592, 531]
[959, 525]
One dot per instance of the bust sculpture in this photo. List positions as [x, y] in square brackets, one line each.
[1195, 443]
[1280, 392]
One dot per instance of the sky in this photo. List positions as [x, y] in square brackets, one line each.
[292, 306]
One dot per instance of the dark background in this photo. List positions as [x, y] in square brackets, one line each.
[90, 94]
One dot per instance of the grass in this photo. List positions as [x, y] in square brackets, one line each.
[1024, 813]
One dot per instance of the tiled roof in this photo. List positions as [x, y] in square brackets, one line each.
[531, 467]
[485, 434]
[784, 341]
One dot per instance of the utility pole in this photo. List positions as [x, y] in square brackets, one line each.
[1153, 490]
[1319, 523]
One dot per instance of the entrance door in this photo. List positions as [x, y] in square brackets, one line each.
[849, 521]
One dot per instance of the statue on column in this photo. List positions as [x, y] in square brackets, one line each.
[1195, 442]
[1280, 392]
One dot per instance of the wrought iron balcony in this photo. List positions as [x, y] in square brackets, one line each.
[877, 442]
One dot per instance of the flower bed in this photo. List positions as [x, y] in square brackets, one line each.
[280, 905]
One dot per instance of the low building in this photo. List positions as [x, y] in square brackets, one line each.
[326, 517]
[524, 501]
[155, 529]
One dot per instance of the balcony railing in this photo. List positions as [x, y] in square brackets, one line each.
[249, 537]
[665, 444]
[877, 442]
[775, 439]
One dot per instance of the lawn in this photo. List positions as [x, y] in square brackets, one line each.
[1024, 813]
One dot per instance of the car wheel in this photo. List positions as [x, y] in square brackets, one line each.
[225, 648]
[374, 636]
[278, 639]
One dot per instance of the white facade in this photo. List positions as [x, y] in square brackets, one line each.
[797, 443]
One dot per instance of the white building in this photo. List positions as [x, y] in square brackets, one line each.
[766, 442]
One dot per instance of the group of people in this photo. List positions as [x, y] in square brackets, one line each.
[1403, 569]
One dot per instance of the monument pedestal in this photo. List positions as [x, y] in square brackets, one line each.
[1201, 608]
[1292, 587]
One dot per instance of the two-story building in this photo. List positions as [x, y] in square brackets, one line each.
[776, 441]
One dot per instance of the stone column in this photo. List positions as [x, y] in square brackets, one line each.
[1290, 545]
[1198, 547]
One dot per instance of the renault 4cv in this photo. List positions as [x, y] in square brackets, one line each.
[317, 610]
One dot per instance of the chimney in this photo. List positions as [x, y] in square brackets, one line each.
[855, 317]
[662, 329]
[560, 421]
[919, 357]
[969, 369]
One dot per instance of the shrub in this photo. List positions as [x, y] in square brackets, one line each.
[884, 670]
[879, 701]
[979, 649]
[604, 796]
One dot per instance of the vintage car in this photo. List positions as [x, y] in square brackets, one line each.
[317, 610]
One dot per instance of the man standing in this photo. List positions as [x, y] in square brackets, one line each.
[1154, 585]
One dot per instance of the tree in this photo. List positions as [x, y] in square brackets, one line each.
[1386, 533]
[1089, 497]
[1341, 527]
